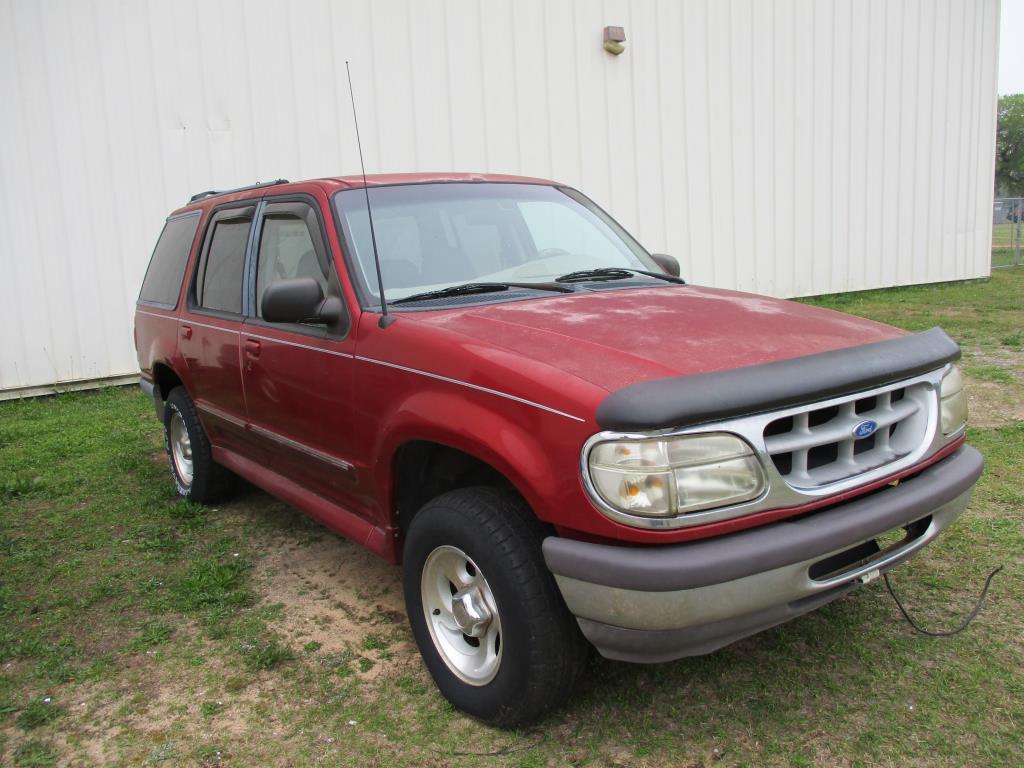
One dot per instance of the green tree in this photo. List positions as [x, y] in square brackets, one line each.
[1010, 147]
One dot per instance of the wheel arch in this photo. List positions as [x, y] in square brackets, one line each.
[165, 378]
[424, 458]
[422, 470]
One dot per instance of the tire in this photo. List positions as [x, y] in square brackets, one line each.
[208, 482]
[530, 654]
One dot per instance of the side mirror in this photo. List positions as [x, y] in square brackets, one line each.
[299, 300]
[667, 263]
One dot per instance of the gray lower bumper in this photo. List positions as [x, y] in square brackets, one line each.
[648, 604]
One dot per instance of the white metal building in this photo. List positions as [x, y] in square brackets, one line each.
[790, 147]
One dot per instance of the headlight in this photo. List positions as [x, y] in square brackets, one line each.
[674, 475]
[953, 399]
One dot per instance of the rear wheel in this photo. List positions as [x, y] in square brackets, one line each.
[486, 613]
[196, 476]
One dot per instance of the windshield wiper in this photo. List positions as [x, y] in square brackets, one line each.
[614, 273]
[467, 289]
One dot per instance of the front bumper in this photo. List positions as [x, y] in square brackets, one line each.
[652, 604]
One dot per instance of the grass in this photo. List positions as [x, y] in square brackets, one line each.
[163, 633]
[34, 754]
[38, 712]
[994, 373]
[1007, 244]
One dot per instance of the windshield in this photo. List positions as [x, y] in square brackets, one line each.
[434, 236]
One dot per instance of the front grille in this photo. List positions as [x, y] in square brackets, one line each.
[818, 446]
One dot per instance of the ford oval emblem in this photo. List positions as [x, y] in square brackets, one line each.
[865, 429]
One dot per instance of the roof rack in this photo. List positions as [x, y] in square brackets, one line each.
[212, 192]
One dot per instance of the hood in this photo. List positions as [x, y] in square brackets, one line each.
[616, 337]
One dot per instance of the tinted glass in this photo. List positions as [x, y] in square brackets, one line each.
[431, 236]
[221, 286]
[167, 266]
[286, 251]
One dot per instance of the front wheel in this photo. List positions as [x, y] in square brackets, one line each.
[485, 611]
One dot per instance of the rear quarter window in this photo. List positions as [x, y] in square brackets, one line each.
[162, 283]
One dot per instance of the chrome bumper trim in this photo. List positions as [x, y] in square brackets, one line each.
[636, 609]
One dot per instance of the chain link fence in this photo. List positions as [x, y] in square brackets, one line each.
[1007, 232]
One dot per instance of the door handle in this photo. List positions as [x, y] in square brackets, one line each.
[252, 351]
[186, 331]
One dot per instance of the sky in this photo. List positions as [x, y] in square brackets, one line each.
[1011, 47]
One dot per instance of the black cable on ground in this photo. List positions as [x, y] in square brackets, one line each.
[950, 632]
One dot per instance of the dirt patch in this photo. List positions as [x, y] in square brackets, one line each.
[1005, 356]
[153, 713]
[337, 595]
[992, 404]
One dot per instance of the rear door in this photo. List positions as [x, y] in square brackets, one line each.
[210, 326]
[298, 376]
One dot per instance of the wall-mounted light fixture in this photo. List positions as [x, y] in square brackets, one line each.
[614, 37]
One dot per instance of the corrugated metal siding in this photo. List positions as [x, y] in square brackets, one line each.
[789, 147]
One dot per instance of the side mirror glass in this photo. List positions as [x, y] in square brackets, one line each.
[296, 300]
[667, 263]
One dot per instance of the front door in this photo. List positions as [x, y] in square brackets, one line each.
[210, 325]
[298, 376]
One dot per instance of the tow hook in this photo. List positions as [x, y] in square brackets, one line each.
[870, 576]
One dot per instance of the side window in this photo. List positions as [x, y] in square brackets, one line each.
[167, 266]
[220, 278]
[286, 250]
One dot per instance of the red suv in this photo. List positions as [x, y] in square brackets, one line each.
[559, 439]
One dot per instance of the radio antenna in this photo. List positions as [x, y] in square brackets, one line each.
[385, 318]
